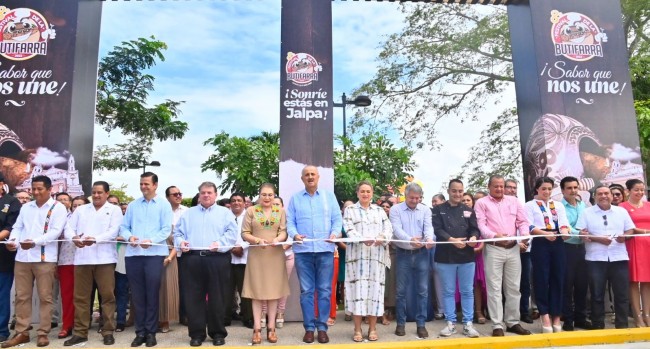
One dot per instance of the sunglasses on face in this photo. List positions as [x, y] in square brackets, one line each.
[178, 195]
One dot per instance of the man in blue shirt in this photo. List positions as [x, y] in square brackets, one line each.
[412, 222]
[574, 302]
[314, 213]
[204, 235]
[148, 221]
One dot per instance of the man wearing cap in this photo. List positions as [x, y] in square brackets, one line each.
[9, 208]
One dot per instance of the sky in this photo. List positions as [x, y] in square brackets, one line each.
[223, 60]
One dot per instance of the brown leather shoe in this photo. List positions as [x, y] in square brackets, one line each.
[19, 338]
[497, 332]
[42, 341]
[308, 337]
[422, 332]
[517, 329]
[322, 337]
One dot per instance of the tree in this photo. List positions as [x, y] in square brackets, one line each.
[120, 192]
[123, 89]
[453, 61]
[372, 158]
[245, 163]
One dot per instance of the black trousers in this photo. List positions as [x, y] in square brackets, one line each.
[617, 275]
[576, 283]
[144, 274]
[237, 272]
[181, 290]
[206, 275]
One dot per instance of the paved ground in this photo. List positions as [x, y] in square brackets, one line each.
[291, 334]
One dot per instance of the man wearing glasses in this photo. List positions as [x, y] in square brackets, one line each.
[604, 228]
[175, 197]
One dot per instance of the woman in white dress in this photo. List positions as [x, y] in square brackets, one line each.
[366, 260]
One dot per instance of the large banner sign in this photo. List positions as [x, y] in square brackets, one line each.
[574, 98]
[306, 127]
[39, 132]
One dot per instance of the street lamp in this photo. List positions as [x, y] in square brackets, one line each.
[359, 101]
[144, 165]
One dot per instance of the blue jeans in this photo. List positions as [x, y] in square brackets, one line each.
[412, 263]
[6, 280]
[463, 274]
[315, 271]
[121, 297]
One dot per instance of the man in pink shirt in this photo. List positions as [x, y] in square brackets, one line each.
[500, 216]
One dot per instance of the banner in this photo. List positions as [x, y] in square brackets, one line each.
[306, 120]
[574, 99]
[306, 127]
[41, 133]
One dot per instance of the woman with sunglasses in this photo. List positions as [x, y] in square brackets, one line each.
[618, 194]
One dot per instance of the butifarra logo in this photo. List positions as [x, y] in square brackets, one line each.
[25, 33]
[576, 36]
[302, 68]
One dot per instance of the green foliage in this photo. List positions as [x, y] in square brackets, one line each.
[500, 143]
[448, 60]
[120, 192]
[187, 201]
[453, 61]
[123, 90]
[245, 163]
[373, 158]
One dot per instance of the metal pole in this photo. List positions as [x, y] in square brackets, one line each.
[345, 148]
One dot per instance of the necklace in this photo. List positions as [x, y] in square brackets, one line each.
[265, 222]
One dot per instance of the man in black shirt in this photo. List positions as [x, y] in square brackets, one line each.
[9, 208]
[455, 222]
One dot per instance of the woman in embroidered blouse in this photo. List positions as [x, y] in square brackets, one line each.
[366, 261]
[547, 218]
[266, 274]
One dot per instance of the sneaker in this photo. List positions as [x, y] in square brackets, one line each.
[470, 331]
[449, 329]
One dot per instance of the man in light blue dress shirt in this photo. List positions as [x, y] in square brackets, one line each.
[205, 235]
[314, 213]
[148, 221]
[412, 221]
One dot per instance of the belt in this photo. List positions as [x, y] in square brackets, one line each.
[504, 244]
[202, 253]
[413, 251]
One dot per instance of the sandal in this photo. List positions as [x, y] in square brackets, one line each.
[331, 321]
[385, 321]
[358, 336]
[372, 336]
[270, 335]
[257, 337]
[279, 320]
[348, 317]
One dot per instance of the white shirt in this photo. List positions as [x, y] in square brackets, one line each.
[30, 225]
[178, 212]
[618, 221]
[536, 216]
[103, 224]
[240, 241]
